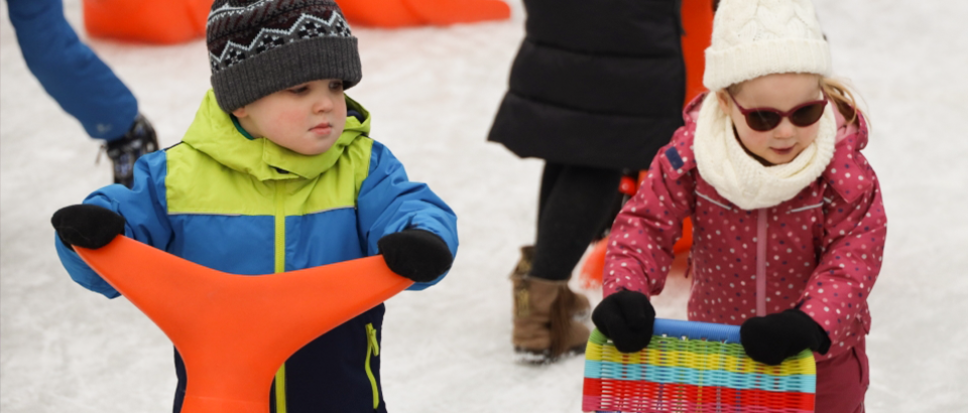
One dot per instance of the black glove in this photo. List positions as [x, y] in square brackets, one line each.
[773, 338]
[419, 255]
[626, 317]
[87, 226]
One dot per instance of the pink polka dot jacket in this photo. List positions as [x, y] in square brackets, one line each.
[820, 251]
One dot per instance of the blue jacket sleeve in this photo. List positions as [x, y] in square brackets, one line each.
[389, 202]
[144, 210]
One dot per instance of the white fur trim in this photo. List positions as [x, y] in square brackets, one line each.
[744, 181]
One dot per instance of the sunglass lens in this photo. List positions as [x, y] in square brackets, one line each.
[807, 115]
[762, 120]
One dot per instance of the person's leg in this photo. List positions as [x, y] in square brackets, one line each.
[545, 308]
[69, 71]
[575, 207]
[82, 84]
[842, 382]
[549, 177]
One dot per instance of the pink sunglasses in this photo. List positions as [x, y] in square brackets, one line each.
[764, 119]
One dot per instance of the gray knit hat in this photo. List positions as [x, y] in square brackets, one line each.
[258, 47]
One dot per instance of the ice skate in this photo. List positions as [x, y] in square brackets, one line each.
[124, 152]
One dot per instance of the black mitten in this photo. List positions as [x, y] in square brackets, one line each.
[87, 226]
[626, 317]
[773, 338]
[419, 255]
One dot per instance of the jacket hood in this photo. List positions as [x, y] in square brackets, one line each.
[214, 134]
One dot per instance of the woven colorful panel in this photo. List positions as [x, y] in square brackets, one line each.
[694, 367]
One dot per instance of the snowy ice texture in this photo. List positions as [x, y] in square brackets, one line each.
[433, 93]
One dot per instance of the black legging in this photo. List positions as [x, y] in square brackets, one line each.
[573, 205]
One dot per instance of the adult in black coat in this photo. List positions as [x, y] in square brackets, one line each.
[596, 88]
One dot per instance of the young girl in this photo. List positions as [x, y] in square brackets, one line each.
[789, 225]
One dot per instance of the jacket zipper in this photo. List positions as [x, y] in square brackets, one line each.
[280, 266]
[372, 348]
[761, 263]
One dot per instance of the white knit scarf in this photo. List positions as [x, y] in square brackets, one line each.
[743, 180]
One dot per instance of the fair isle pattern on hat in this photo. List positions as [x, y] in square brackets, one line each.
[259, 47]
[753, 38]
[306, 27]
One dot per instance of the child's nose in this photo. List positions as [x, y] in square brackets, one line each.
[323, 104]
[785, 129]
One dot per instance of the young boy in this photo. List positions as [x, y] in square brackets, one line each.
[275, 174]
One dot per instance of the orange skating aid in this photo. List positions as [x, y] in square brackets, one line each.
[149, 21]
[234, 331]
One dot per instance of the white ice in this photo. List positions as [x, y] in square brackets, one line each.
[433, 93]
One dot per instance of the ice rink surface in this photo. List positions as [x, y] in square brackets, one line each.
[433, 93]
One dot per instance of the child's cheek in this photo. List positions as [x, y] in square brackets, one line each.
[339, 127]
[810, 134]
[752, 140]
[761, 140]
[291, 118]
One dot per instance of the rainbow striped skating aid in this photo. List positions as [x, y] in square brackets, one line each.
[697, 368]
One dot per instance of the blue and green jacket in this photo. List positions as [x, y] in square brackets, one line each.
[248, 206]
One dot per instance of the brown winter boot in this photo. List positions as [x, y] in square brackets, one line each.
[547, 315]
[576, 304]
[544, 327]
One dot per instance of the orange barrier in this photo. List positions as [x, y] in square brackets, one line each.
[697, 22]
[233, 331]
[149, 21]
[593, 269]
[177, 21]
[402, 13]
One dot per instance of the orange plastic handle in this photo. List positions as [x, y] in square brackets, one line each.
[235, 331]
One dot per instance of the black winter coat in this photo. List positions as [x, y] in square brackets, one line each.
[595, 83]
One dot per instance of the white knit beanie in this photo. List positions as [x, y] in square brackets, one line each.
[753, 38]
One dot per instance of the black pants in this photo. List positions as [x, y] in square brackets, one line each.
[575, 203]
